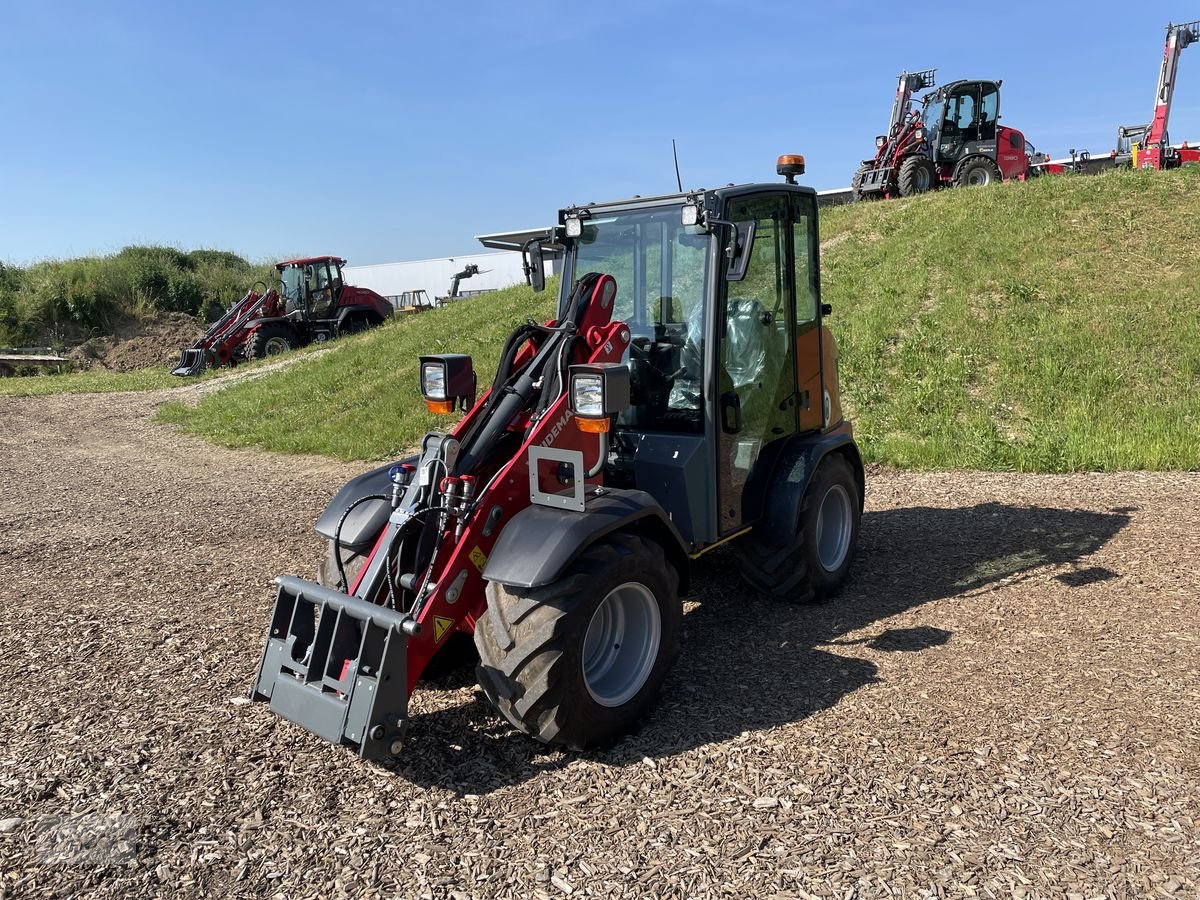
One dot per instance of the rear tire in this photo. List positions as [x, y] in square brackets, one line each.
[917, 176]
[979, 171]
[816, 564]
[269, 340]
[579, 661]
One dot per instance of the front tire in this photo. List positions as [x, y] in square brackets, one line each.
[917, 176]
[270, 340]
[815, 565]
[579, 661]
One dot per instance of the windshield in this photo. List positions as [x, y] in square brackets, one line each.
[660, 267]
[292, 278]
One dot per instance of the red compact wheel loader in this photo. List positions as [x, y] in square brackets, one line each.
[686, 395]
[308, 302]
[953, 138]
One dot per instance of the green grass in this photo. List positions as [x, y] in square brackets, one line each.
[361, 400]
[1044, 327]
[89, 383]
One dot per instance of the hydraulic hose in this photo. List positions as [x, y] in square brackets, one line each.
[343, 583]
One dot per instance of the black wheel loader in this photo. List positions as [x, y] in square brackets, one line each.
[685, 396]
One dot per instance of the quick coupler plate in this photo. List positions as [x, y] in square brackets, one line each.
[338, 666]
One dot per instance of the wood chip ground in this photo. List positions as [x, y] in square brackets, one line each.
[1005, 702]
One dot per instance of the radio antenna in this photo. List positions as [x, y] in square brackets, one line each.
[675, 153]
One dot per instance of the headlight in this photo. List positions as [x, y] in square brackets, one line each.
[598, 391]
[587, 395]
[574, 226]
[433, 381]
[919, 134]
[447, 381]
[880, 141]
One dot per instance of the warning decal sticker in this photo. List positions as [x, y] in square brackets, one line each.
[440, 627]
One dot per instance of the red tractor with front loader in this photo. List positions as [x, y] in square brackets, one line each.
[951, 138]
[307, 302]
[685, 396]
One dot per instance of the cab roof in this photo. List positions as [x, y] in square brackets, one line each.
[309, 261]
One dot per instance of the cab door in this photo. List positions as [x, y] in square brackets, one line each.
[756, 372]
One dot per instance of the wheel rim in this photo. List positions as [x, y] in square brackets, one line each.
[978, 177]
[835, 525]
[621, 644]
[276, 345]
[921, 182]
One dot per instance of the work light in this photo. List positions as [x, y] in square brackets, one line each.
[598, 391]
[880, 141]
[574, 226]
[919, 134]
[447, 381]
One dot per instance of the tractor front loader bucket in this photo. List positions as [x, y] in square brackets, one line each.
[192, 361]
[337, 666]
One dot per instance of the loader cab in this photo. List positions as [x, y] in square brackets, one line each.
[725, 355]
[312, 285]
[961, 119]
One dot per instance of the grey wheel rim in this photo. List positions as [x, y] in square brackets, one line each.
[835, 526]
[921, 180]
[276, 345]
[979, 177]
[621, 644]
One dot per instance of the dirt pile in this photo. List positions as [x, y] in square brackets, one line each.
[139, 344]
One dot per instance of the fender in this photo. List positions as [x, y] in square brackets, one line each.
[370, 313]
[523, 556]
[789, 478]
[363, 525]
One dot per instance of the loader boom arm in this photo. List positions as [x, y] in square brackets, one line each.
[1178, 37]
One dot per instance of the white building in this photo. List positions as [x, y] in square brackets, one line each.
[433, 276]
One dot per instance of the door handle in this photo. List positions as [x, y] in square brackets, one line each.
[731, 402]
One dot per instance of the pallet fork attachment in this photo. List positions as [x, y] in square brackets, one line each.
[337, 666]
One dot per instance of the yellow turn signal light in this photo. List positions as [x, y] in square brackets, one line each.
[592, 426]
[440, 407]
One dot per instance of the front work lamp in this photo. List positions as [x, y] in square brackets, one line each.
[447, 381]
[598, 391]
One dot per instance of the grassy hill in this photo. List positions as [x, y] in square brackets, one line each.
[66, 301]
[1048, 326]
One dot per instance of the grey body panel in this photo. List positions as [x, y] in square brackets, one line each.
[676, 470]
[539, 542]
[363, 525]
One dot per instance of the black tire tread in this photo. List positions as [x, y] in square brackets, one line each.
[256, 344]
[522, 639]
[783, 572]
[905, 180]
[960, 175]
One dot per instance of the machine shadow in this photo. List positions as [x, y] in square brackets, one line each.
[748, 663]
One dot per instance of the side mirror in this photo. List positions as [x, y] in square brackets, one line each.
[535, 267]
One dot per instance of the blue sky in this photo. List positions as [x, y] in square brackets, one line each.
[388, 131]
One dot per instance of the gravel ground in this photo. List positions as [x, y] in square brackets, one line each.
[1004, 702]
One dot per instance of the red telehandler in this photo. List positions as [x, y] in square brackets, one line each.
[1141, 146]
[952, 138]
[684, 396]
[308, 302]
[1148, 146]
